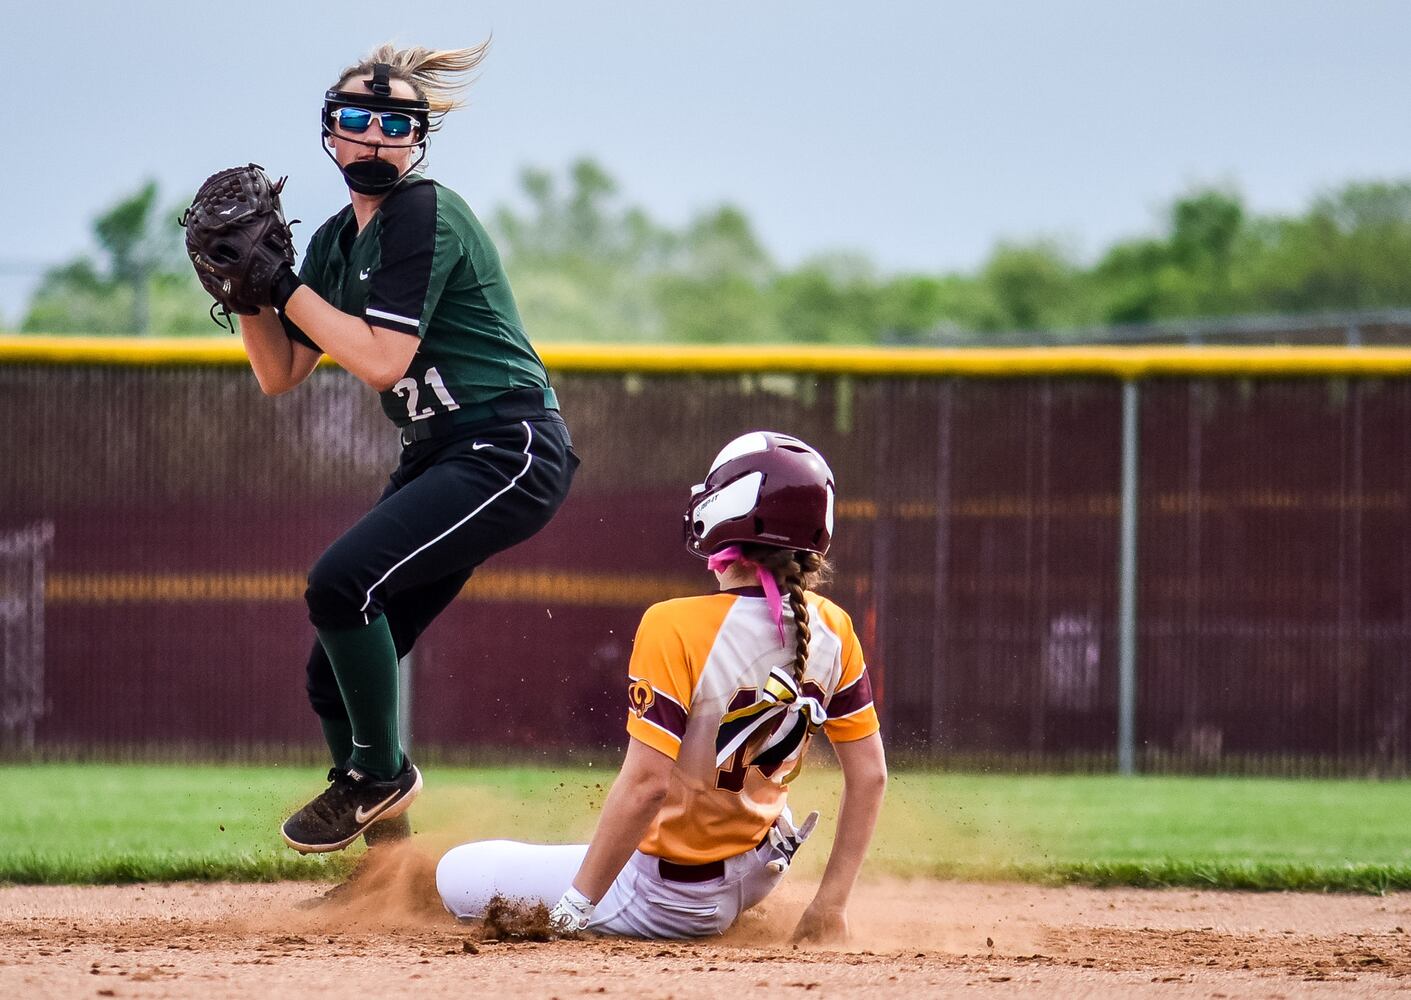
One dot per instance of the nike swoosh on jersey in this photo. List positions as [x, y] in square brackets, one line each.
[362, 816]
[479, 444]
[362, 275]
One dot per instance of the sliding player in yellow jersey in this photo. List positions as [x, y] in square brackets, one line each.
[725, 692]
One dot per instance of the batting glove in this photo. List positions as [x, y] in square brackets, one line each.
[786, 839]
[572, 912]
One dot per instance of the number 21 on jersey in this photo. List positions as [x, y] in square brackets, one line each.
[409, 388]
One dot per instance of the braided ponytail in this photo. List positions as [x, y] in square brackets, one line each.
[797, 572]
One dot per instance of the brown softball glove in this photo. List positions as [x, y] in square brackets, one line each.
[237, 239]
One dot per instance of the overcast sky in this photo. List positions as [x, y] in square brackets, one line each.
[918, 133]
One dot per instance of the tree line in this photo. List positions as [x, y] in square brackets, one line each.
[586, 265]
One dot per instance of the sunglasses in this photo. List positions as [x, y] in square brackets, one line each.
[394, 124]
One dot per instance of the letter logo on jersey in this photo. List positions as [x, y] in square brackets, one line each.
[640, 697]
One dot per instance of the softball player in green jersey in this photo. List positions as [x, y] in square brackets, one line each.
[404, 289]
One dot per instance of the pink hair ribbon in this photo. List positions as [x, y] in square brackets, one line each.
[727, 557]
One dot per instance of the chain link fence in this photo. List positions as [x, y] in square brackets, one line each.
[158, 606]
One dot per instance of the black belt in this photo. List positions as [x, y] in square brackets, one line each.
[672, 872]
[517, 404]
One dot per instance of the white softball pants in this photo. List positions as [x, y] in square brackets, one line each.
[639, 904]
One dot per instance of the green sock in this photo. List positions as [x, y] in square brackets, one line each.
[338, 734]
[364, 660]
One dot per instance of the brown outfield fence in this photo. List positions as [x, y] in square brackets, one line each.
[157, 515]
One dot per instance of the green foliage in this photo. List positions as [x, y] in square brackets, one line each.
[1347, 252]
[1033, 287]
[1216, 259]
[588, 266]
[112, 823]
[581, 265]
[1188, 272]
[142, 285]
[597, 270]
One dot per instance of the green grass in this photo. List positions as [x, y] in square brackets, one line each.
[1245, 833]
[85, 823]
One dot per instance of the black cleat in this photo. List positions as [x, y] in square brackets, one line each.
[352, 803]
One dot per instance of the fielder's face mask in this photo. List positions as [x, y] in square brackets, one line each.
[375, 176]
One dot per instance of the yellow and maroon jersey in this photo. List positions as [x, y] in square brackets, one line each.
[698, 659]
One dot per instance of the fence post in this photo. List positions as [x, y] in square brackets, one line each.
[1127, 587]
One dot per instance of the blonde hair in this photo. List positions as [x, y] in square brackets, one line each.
[438, 76]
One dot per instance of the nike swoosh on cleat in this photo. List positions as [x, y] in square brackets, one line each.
[360, 817]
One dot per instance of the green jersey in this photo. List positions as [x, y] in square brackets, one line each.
[424, 266]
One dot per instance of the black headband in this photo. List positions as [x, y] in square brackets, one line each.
[346, 98]
[379, 97]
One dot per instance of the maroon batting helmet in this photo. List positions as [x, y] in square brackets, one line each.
[766, 488]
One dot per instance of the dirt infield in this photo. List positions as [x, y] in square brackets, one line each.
[390, 939]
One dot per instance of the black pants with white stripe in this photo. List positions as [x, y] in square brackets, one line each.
[452, 503]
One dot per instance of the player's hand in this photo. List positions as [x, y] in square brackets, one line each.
[572, 913]
[822, 925]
